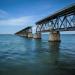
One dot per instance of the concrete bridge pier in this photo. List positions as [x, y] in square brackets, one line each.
[54, 36]
[37, 35]
[30, 35]
[25, 35]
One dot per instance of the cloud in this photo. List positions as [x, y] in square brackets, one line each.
[3, 14]
[6, 19]
[18, 21]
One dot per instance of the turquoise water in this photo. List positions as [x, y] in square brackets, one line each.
[23, 56]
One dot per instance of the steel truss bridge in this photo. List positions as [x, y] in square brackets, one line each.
[62, 20]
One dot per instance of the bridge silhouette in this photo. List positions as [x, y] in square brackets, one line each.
[62, 20]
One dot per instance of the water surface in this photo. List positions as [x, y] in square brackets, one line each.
[23, 56]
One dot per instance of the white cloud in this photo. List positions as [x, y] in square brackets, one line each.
[5, 19]
[3, 14]
[18, 21]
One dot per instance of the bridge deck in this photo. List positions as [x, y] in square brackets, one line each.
[23, 30]
[62, 12]
[61, 29]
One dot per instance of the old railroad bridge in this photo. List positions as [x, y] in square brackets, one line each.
[62, 20]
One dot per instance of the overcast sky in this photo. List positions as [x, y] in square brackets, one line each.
[17, 14]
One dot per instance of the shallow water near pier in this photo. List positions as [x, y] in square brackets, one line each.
[24, 56]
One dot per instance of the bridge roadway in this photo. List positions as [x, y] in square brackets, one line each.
[60, 29]
[62, 20]
[27, 32]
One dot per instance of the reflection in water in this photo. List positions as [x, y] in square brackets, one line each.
[23, 56]
[54, 51]
[38, 44]
[48, 50]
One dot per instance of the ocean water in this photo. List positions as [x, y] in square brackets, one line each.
[24, 56]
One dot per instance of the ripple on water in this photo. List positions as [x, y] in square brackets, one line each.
[22, 56]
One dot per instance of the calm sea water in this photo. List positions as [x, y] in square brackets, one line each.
[23, 56]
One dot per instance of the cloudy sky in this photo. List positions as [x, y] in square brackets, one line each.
[17, 14]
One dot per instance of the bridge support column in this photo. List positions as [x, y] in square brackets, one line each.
[26, 35]
[30, 35]
[54, 36]
[37, 35]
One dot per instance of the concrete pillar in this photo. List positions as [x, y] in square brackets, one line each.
[25, 35]
[54, 36]
[37, 35]
[30, 35]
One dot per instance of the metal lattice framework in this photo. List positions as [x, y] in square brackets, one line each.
[25, 31]
[63, 20]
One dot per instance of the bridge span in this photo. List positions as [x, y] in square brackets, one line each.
[27, 32]
[62, 20]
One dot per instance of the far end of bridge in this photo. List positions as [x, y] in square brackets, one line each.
[26, 32]
[62, 20]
